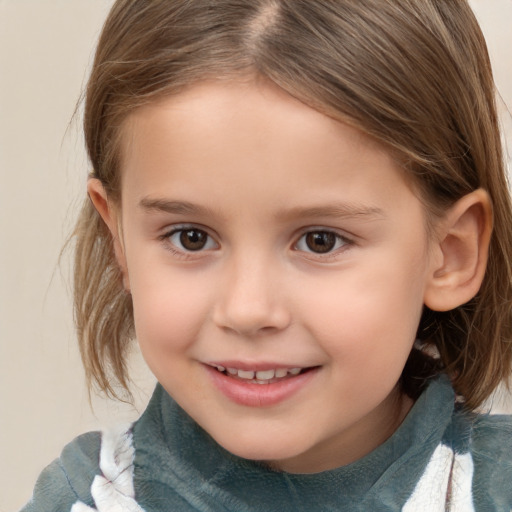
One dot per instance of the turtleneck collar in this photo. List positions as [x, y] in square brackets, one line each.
[174, 456]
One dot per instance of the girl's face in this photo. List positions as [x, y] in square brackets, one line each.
[278, 262]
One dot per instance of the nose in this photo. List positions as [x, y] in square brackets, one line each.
[251, 300]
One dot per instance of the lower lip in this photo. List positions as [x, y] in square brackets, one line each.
[259, 395]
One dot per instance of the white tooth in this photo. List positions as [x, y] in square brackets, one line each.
[243, 374]
[232, 371]
[294, 371]
[265, 374]
[281, 372]
[220, 368]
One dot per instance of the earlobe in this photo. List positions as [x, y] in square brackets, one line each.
[462, 249]
[110, 215]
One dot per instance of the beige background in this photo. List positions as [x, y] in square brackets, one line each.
[45, 50]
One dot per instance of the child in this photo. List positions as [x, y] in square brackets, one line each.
[300, 211]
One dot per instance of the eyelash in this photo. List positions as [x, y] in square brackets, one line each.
[341, 243]
[183, 252]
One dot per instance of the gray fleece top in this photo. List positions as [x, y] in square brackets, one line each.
[439, 459]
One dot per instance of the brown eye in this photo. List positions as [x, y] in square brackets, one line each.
[190, 239]
[193, 239]
[320, 241]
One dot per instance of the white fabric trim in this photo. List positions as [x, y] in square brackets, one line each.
[430, 494]
[81, 507]
[462, 479]
[113, 490]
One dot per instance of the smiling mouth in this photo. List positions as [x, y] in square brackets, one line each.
[261, 376]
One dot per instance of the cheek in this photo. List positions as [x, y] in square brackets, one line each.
[169, 310]
[369, 318]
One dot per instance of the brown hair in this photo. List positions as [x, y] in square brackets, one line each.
[414, 74]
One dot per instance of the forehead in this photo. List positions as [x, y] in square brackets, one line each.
[252, 104]
[253, 137]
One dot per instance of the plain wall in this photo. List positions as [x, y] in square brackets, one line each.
[45, 51]
[46, 47]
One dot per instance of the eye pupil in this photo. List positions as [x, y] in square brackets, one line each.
[320, 241]
[193, 239]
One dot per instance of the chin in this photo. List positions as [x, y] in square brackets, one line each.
[262, 449]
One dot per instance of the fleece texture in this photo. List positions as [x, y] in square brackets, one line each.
[440, 459]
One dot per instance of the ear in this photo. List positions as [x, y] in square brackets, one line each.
[460, 253]
[111, 216]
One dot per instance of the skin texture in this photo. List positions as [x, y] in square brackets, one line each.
[255, 171]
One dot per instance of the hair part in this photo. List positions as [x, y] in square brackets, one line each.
[413, 74]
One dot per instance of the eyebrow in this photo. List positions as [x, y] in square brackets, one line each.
[336, 210]
[176, 207]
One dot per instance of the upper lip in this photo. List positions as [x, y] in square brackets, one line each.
[255, 366]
